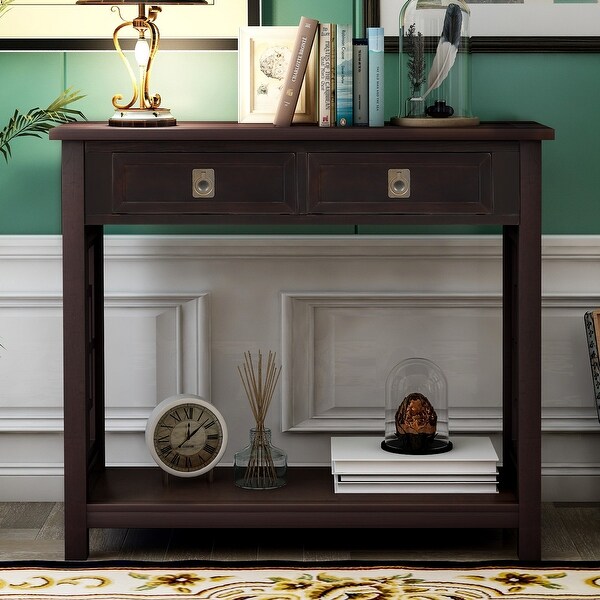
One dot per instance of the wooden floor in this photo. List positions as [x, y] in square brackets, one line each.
[34, 531]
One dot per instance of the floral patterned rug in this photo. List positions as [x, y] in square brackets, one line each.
[136, 581]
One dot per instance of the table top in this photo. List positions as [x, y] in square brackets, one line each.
[228, 130]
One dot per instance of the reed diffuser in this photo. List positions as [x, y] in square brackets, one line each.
[260, 465]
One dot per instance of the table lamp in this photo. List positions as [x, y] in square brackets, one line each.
[143, 110]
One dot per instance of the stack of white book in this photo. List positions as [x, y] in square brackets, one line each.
[360, 465]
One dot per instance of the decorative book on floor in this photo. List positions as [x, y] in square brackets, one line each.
[360, 465]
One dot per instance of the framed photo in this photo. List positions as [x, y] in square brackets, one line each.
[512, 25]
[63, 25]
[263, 58]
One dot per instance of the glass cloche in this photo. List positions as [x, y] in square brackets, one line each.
[434, 64]
[416, 409]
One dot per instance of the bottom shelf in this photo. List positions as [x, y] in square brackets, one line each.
[145, 497]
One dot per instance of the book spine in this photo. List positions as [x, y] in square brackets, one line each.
[392, 488]
[333, 72]
[325, 109]
[343, 87]
[475, 467]
[296, 70]
[376, 76]
[360, 82]
[592, 329]
[439, 478]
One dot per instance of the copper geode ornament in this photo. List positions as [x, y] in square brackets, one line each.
[416, 408]
[416, 422]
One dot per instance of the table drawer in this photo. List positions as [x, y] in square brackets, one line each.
[203, 183]
[415, 183]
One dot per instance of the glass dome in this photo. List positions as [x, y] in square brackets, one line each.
[416, 409]
[434, 63]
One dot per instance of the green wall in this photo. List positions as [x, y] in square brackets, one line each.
[559, 90]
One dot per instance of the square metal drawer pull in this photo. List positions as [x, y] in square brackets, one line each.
[398, 183]
[203, 183]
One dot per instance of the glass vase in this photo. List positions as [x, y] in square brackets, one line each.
[260, 465]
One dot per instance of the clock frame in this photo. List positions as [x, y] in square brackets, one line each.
[186, 435]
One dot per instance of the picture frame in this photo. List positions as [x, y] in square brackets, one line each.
[513, 26]
[24, 26]
[592, 330]
[264, 53]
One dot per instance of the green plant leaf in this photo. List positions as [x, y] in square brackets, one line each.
[39, 121]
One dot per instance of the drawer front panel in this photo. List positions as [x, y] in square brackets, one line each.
[438, 183]
[203, 183]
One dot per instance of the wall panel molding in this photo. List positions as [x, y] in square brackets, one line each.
[339, 348]
[463, 420]
[207, 299]
[169, 331]
[48, 247]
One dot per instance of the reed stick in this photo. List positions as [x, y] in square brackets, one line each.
[260, 386]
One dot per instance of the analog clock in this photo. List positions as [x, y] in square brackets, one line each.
[186, 435]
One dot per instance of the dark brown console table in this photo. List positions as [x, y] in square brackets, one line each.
[230, 173]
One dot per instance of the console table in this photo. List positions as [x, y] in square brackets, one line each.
[249, 174]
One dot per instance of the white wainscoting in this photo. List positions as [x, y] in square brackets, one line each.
[339, 311]
[342, 346]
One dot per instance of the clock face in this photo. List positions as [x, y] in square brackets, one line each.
[186, 435]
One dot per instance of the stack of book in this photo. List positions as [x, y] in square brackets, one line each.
[350, 75]
[360, 465]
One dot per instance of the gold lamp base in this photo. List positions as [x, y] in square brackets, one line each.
[143, 117]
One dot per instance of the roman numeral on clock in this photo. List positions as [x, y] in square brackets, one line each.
[209, 449]
[166, 450]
